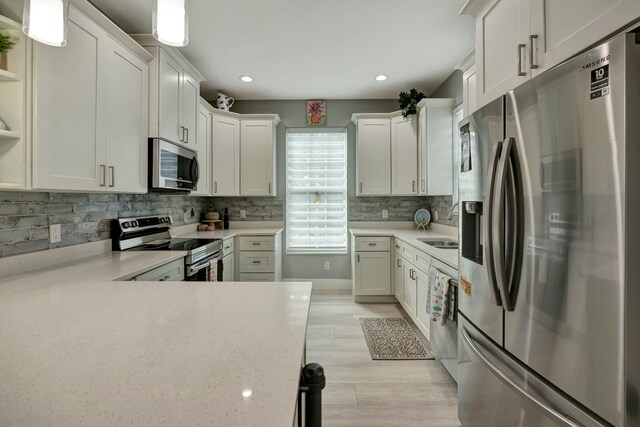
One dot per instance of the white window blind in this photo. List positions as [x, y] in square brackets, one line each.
[316, 191]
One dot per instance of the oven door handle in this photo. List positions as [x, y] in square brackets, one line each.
[193, 269]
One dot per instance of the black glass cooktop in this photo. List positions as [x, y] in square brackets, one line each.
[175, 244]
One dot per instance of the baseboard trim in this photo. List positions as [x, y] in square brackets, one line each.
[327, 285]
[375, 298]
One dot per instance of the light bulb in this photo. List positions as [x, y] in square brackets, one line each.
[46, 21]
[170, 22]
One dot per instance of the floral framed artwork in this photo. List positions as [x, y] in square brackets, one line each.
[316, 113]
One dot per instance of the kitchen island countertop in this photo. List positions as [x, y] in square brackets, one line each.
[79, 348]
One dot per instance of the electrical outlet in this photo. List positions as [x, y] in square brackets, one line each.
[243, 214]
[55, 234]
[385, 214]
[435, 215]
[327, 265]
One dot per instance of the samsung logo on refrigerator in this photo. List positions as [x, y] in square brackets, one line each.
[595, 62]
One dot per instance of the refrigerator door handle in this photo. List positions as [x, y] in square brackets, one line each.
[543, 406]
[498, 224]
[514, 197]
[487, 224]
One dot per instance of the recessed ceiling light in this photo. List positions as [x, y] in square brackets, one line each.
[246, 79]
[381, 77]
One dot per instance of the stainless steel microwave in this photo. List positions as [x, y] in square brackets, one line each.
[172, 168]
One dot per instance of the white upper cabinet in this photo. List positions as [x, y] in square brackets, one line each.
[68, 144]
[373, 155]
[174, 93]
[258, 158]
[518, 39]
[126, 127]
[404, 156]
[203, 148]
[562, 28]
[169, 123]
[225, 162]
[97, 142]
[435, 120]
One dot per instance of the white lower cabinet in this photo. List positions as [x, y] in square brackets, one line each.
[409, 290]
[228, 268]
[423, 310]
[259, 258]
[171, 272]
[397, 278]
[372, 273]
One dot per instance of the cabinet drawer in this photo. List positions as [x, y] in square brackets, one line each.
[257, 262]
[397, 245]
[408, 252]
[372, 244]
[257, 277]
[228, 246]
[257, 243]
[171, 272]
[422, 261]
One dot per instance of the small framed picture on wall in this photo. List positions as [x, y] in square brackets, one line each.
[316, 113]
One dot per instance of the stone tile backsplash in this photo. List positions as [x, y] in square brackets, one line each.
[442, 205]
[25, 217]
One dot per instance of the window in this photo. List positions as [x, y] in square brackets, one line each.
[316, 191]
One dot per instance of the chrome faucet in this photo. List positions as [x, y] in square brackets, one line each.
[453, 208]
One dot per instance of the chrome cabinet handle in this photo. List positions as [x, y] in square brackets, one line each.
[358, 257]
[257, 262]
[227, 247]
[373, 244]
[103, 176]
[399, 263]
[360, 187]
[397, 246]
[215, 186]
[182, 134]
[413, 186]
[256, 243]
[165, 278]
[561, 419]
[112, 169]
[488, 246]
[269, 188]
[532, 39]
[521, 48]
[423, 185]
[187, 141]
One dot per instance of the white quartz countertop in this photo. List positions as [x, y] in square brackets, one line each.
[77, 348]
[411, 236]
[233, 232]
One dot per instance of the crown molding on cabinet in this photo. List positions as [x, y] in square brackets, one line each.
[467, 61]
[114, 31]
[273, 117]
[147, 40]
[359, 116]
[473, 7]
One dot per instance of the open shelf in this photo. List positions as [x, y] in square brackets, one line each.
[8, 134]
[8, 76]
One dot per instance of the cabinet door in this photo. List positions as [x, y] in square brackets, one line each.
[501, 28]
[170, 82]
[257, 158]
[440, 150]
[68, 145]
[409, 291]
[190, 109]
[422, 152]
[202, 147]
[373, 273]
[423, 305]
[398, 281]
[470, 90]
[373, 158]
[566, 27]
[126, 128]
[404, 156]
[228, 268]
[225, 161]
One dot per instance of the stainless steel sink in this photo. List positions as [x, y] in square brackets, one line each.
[440, 243]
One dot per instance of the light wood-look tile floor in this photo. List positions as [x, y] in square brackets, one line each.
[365, 392]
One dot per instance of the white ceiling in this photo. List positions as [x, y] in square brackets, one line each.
[328, 49]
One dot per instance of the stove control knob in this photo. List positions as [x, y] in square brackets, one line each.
[134, 223]
[167, 220]
[126, 224]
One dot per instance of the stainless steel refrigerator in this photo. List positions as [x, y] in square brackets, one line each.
[549, 293]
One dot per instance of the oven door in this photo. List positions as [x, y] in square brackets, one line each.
[172, 168]
[209, 269]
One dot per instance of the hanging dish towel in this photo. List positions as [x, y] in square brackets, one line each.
[212, 271]
[439, 284]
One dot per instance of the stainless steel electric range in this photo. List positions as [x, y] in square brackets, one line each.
[153, 233]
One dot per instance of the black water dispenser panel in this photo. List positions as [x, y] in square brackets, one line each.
[471, 231]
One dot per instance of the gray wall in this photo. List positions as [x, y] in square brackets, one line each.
[25, 217]
[339, 114]
[451, 88]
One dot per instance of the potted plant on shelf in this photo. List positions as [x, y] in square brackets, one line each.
[408, 102]
[6, 44]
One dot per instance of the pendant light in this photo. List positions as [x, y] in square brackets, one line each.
[46, 21]
[170, 24]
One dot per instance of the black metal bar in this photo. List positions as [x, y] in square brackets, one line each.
[312, 383]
